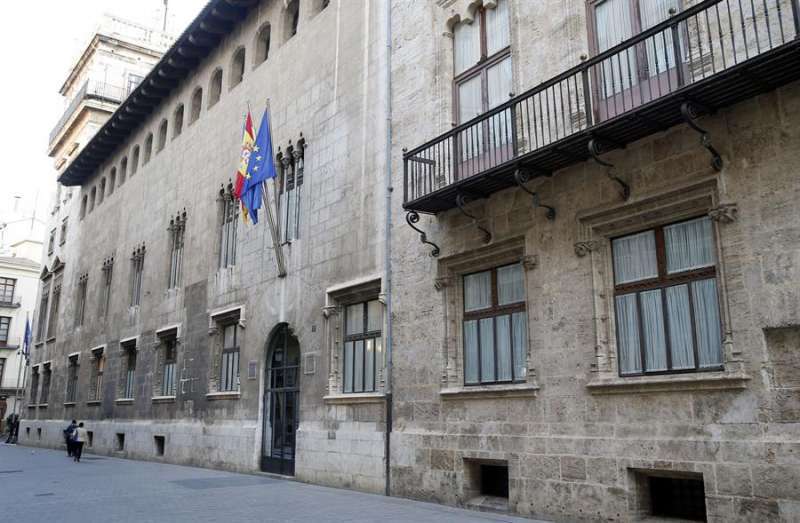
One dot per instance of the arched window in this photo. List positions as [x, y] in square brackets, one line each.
[123, 170]
[84, 203]
[237, 68]
[92, 198]
[215, 88]
[162, 135]
[262, 45]
[135, 160]
[148, 148]
[102, 193]
[291, 18]
[197, 103]
[177, 122]
[319, 5]
[112, 180]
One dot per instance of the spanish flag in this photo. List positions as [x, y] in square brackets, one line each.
[247, 148]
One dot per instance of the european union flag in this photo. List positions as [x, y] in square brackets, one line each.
[26, 343]
[260, 169]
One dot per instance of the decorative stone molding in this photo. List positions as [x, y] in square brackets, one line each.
[584, 248]
[523, 390]
[701, 381]
[463, 11]
[330, 310]
[724, 213]
[442, 282]
[530, 261]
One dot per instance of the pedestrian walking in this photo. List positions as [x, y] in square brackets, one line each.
[13, 424]
[81, 436]
[69, 434]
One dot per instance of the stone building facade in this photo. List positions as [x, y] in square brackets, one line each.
[607, 328]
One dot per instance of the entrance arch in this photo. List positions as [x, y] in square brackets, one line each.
[281, 402]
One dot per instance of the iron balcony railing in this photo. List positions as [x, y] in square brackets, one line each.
[91, 90]
[710, 39]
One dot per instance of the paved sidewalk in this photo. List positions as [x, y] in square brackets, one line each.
[45, 485]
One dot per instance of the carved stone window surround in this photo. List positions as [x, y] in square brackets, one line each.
[337, 298]
[217, 320]
[449, 281]
[596, 228]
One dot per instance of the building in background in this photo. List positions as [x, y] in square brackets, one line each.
[20, 250]
[599, 324]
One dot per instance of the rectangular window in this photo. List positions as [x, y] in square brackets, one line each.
[2, 368]
[34, 386]
[43, 307]
[51, 243]
[137, 269]
[72, 379]
[363, 346]
[130, 370]
[495, 326]
[292, 167]
[5, 326]
[80, 305]
[52, 319]
[7, 286]
[108, 276]
[229, 378]
[177, 227]
[168, 370]
[47, 375]
[98, 368]
[230, 216]
[667, 309]
[63, 236]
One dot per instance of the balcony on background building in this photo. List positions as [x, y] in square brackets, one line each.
[708, 56]
[92, 90]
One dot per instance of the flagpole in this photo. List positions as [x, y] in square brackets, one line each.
[273, 229]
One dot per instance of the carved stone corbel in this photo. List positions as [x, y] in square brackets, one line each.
[330, 310]
[442, 282]
[724, 213]
[584, 248]
[530, 261]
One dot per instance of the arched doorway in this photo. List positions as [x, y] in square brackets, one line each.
[281, 402]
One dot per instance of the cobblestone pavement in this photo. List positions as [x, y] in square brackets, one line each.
[46, 486]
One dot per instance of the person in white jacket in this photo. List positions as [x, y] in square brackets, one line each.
[81, 436]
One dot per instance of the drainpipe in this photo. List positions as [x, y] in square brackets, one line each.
[387, 248]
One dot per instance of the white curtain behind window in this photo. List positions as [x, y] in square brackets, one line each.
[655, 342]
[680, 327]
[520, 341]
[614, 24]
[503, 324]
[510, 284]
[689, 245]
[348, 366]
[707, 323]
[630, 357]
[471, 351]
[487, 349]
[499, 87]
[470, 105]
[635, 257]
[498, 35]
[477, 291]
[660, 55]
[467, 46]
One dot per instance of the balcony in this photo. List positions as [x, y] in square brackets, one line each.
[91, 90]
[711, 55]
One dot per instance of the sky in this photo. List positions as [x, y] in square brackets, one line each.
[39, 42]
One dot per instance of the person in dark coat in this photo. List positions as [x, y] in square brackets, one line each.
[69, 434]
[13, 427]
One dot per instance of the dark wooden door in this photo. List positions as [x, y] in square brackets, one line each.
[281, 404]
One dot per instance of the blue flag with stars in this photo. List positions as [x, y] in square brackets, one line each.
[260, 169]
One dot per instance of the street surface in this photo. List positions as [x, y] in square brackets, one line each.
[40, 485]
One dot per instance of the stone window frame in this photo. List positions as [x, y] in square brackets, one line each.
[217, 320]
[337, 299]
[596, 228]
[34, 386]
[47, 378]
[450, 284]
[73, 362]
[99, 360]
[126, 347]
[164, 333]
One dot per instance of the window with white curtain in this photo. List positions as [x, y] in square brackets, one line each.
[482, 58]
[228, 226]
[229, 370]
[291, 172]
[666, 303]
[495, 326]
[363, 346]
[618, 20]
